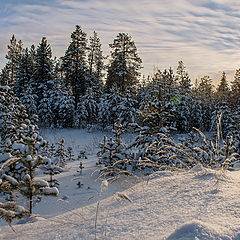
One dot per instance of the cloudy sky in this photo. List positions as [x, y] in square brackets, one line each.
[204, 34]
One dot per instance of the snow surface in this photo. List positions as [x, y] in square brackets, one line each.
[198, 204]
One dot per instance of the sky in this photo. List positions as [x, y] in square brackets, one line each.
[204, 34]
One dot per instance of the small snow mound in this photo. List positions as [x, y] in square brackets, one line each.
[195, 231]
[31, 219]
[204, 173]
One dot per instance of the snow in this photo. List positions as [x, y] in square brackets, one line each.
[198, 204]
[29, 158]
[10, 179]
[19, 146]
[195, 230]
[4, 157]
[41, 182]
[51, 191]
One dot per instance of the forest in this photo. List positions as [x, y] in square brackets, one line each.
[86, 90]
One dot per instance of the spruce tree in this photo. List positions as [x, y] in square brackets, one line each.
[156, 109]
[222, 107]
[96, 65]
[74, 64]
[123, 70]
[24, 74]
[43, 79]
[87, 110]
[14, 54]
[183, 79]
[43, 82]
[206, 96]
[183, 108]
[235, 89]
[61, 154]
[223, 90]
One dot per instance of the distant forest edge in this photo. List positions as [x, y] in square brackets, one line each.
[80, 90]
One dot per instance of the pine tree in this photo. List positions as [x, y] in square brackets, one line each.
[43, 82]
[127, 108]
[96, 64]
[45, 112]
[87, 110]
[223, 90]
[24, 74]
[74, 64]
[20, 157]
[29, 101]
[109, 108]
[63, 108]
[51, 169]
[43, 79]
[156, 109]
[13, 56]
[206, 96]
[61, 154]
[183, 79]
[114, 154]
[123, 70]
[183, 114]
[222, 107]
[235, 89]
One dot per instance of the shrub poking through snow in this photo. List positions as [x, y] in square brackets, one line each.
[114, 155]
[155, 151]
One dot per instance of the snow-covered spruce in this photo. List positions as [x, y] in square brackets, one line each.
[50, 168]
[61, 154]
[113, 154]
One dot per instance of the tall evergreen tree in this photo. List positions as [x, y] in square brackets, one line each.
[223, 90]
[14, 54]
[157, 108]
[24, 74]
[43, 81]
[43, 72]
[183, 78]
[74, 64]
[205, 93]
[235, 88]
[123, 70]
[95, 57]
[183, 108]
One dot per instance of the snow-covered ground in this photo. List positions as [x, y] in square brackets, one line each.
[194, 205]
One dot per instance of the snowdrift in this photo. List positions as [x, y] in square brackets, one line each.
[199, 204]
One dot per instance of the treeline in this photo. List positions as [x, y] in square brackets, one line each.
[81, 90]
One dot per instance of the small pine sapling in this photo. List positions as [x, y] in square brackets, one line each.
[61, 154]
[81, 155]
[80, 168]
[70, 154]
[79, 184]
[28, 156]
[51, 169]
[114, 155]
[31, 161]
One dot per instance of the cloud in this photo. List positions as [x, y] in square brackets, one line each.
[204, 34]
